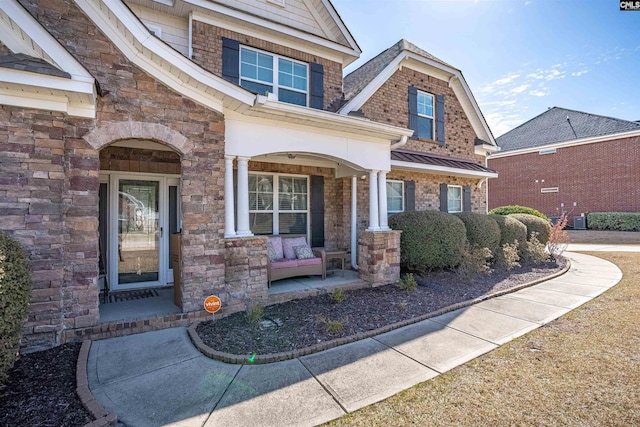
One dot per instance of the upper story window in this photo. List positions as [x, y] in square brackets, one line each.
[263, 72]
[425, 115]
[395, 197]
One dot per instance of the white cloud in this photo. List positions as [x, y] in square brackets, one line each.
[537, 93]
[506, 79]
[579, 73]
[520, 89]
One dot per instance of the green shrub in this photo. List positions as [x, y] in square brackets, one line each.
[408, 283]
[536, 252]
[15, 292]
[535, 224]
[616, 221]
[508, 256]
[429, 240]
[513, 209]
[512, 231]
[254, 314]
[482, 230]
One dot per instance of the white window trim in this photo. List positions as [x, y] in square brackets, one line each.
[449, 187]
[276, 199]
[275, 84]
[389, 211]
[433, 117]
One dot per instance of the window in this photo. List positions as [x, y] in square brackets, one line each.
[395, 197]
[263, 72]
[425, 115]
[290, 215]
[454, 198]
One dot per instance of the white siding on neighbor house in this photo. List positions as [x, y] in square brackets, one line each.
[175, 29]
[295, 13]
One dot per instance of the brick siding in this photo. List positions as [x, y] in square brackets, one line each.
[599, 177]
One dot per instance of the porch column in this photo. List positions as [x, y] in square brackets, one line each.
[382, 200]
[373, 201]
[354, 222]
[243, 198]
[229, 214]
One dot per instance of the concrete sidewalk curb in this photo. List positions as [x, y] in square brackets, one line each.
[102, 417]
[294, 354]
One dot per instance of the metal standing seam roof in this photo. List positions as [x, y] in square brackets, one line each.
[561, 125]
[23, 62]
[357, 80]
[435, 160]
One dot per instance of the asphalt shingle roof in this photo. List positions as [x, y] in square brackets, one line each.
[552, 127]
[357, 80]
[23, 62]
[436, 160]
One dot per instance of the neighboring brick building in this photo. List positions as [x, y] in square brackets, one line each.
[122, 123]
[566, 161]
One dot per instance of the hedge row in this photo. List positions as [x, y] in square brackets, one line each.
[15, 292]
[433, 240]
[618, 221]
[516, 209]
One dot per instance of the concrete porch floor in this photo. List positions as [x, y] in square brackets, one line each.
[139, 308]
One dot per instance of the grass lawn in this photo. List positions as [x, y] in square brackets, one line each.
[605, 237]
[582, 369]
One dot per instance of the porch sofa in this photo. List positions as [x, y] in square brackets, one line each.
[291, 256]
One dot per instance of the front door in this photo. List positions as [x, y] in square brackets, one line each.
[139, 222]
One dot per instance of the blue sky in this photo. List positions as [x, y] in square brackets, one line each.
[519, 57]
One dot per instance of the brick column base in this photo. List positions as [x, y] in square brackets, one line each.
[379, 257]
[245, 273]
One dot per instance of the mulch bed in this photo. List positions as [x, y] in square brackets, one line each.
[302, 323]
[41, 390]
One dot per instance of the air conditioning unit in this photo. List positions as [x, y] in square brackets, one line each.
[579, 222]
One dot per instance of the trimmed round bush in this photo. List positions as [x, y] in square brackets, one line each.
[510, 229]
[482, 230]
[15, 291]
[430, 240]
[535, 224]
[514, 209]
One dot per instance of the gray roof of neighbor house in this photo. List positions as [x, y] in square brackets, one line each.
[357, 80]
[23, 62]
[561, 125]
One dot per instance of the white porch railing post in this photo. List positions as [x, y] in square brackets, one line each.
[229, 214]
[243, 197]
[382, 200]
[374, 225]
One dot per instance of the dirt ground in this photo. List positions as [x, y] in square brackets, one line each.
[605, 237]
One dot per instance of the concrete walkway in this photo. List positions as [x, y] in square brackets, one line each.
[159, 379]
[596, 247]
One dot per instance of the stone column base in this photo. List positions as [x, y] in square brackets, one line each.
[379, 257]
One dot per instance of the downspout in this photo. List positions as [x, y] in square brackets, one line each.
[354, 223]
[402, 141]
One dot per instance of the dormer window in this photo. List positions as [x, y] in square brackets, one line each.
[263, 72]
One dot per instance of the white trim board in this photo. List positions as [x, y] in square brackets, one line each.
[566, 144]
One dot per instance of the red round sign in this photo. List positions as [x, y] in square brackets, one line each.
[212, 304]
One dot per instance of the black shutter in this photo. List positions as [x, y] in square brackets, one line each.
[440, 119]
[467, 198]
[231, 60]
[317, 86]
[413, 110]
[410, 196]
[317, 211]
[444, 197]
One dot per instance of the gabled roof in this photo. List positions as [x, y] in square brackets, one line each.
[561, 125]
[363, 83]
[357, 80]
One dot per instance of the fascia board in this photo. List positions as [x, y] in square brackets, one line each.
[566, 144]
[20, 77]
[157, 48]
[440, 170]
[342, 122]
[237, 14]
[359, 100]
[39, 101]
[43, 40]
[484, 149]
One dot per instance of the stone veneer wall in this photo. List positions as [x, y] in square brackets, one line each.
[379, 257]
[245, 273]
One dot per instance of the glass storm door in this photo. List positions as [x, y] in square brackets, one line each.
[139, 232]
